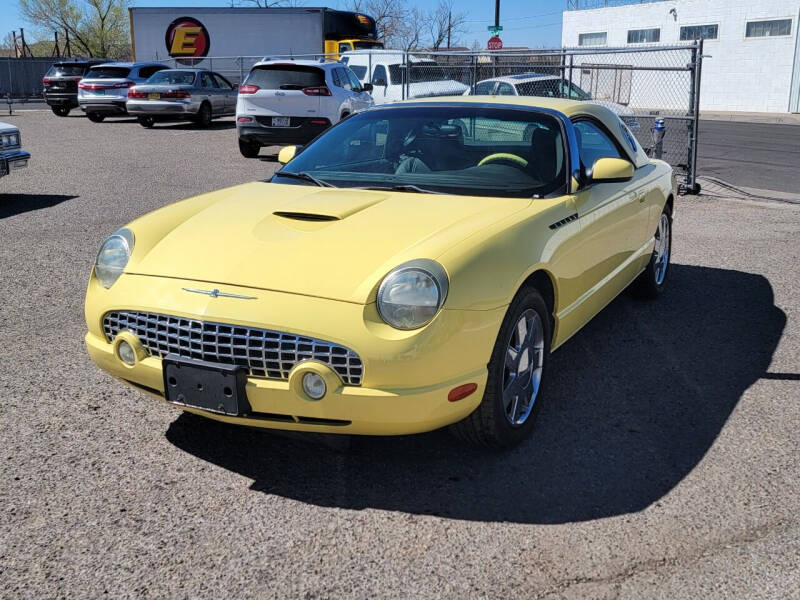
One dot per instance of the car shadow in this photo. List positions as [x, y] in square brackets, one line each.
[180, 125]
[14, 204]
[635, 401]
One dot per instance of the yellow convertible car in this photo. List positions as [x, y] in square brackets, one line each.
[411, 268]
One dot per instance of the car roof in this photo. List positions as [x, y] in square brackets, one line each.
[193, 69]
[569, 108]
[130, 65]
[81, 61]
[386, 54]
[302, 63]
[522, 78]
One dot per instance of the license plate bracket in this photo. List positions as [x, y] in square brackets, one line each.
[281, 121]
[208, 386]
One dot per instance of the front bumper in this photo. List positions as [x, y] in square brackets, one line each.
[163, 108]
[12, 161]
[407, 375]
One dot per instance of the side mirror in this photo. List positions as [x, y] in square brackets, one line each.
[288, 153]
[366, 87]
[610, 170]
[381, 82]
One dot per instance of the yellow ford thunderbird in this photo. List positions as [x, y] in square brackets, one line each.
[411, 268]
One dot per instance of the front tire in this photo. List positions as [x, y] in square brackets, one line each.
[249, 149]
[517, 371]
[651, 282]
[95, 117]
[60, 111]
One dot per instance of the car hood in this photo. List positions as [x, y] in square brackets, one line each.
[323, 242]
[8, 128]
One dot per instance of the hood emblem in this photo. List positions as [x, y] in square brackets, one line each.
[215, 293]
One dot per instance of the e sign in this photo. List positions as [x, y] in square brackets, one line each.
[187, 37]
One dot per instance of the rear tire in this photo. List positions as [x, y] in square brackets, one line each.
[146, 122]
[95, 117]
[61, 111]
[651, 282]
[517, 373]
[249, 149]
[204, 115]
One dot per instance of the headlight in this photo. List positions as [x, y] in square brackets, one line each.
[411, 295]
[113, 256]
[10, 140]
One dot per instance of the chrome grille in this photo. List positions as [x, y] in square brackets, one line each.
[264, 353]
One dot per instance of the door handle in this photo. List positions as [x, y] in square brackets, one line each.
[640, 197]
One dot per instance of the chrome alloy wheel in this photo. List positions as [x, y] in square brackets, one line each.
[523, 367]
[662, 249]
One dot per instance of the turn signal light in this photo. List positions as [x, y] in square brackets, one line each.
[45, 80]
[244, 120]
[461, 392]
[248, 89]
[321, 90]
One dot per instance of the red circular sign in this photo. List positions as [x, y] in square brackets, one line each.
[495, 43]
[187, 37]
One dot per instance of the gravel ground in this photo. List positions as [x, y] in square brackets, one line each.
[665, 462]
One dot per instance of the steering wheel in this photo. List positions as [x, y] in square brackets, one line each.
[513, 159]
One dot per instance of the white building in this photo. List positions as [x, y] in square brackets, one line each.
[754, 49]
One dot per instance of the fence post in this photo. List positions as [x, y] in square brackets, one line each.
[697, 55]
[569, 91]
[473, 80]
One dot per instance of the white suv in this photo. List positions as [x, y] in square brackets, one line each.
[292, 101]
[384, 70]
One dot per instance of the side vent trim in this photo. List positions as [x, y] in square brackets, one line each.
[302, 216]
[564, 221]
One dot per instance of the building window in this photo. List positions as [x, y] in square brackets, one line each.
[644, 36]
[592, 39]
[769, 28]
[699, 32]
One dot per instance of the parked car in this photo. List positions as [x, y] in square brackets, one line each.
[384, 70]
[412, 267]
[60, 83]
[182, 94]
[103, 91]
[12, 156]
[291, 102]
[548, 86]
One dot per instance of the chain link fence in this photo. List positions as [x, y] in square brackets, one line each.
[654, 89]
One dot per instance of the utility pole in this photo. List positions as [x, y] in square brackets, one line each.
[449, 26]
[497, 13]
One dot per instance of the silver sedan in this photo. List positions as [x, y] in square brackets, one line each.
[182, 94]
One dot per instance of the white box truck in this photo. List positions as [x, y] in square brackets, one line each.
[191, 34]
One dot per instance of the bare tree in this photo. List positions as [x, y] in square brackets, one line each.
[444, 24]
[391, 19]
[95, 27]
[267, 3]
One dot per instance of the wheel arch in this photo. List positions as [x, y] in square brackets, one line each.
[544, 282]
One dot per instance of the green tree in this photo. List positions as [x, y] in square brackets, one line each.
[95, 27]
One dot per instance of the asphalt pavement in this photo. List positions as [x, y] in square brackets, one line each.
[664, 465]
[754, 155]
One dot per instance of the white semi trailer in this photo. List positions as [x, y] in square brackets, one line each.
[195, 33]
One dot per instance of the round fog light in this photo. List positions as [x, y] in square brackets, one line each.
[126, 353]
[314, 386]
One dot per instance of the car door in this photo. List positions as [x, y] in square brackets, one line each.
[380, 83]
[362, 100]
[611, 218]
[213, 93]
[228, 93]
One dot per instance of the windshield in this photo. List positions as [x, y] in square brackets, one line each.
[173, 78]
[367, 45]
[285, 77]
[458, 149]
[420, 71]
[552, 88]
[66, 71]
[108, 73]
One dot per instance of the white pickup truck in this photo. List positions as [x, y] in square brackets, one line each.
[12, 157]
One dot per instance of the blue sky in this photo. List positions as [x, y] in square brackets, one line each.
[525, 22]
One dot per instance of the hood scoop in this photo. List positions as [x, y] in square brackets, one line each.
[329, 205]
